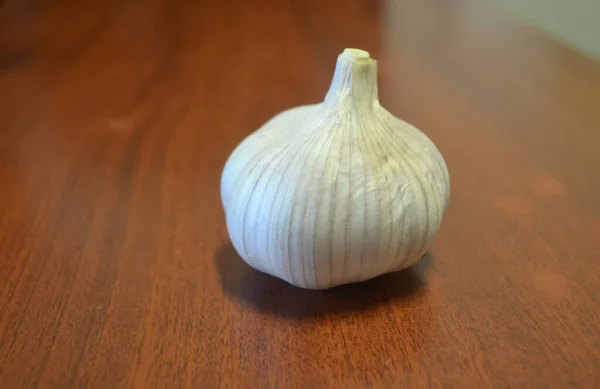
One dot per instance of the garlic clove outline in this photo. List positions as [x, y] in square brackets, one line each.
[338, 192]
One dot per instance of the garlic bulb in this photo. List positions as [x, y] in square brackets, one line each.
[337, 192]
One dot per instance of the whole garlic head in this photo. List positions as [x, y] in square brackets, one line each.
[337, 192]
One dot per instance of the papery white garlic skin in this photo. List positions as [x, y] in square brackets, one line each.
[338, 192]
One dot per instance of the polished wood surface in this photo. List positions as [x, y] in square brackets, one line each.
[116, 270]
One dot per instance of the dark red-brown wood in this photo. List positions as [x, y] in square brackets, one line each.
[116, 271]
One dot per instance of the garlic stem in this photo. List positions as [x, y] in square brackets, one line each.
[354, 85]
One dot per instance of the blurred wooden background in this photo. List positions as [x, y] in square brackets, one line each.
[116, 271]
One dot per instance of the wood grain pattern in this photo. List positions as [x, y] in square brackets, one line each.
[116, 118]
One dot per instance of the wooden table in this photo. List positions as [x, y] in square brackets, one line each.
[116, 270]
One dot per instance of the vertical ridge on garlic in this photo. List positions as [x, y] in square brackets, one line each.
[337, 192]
